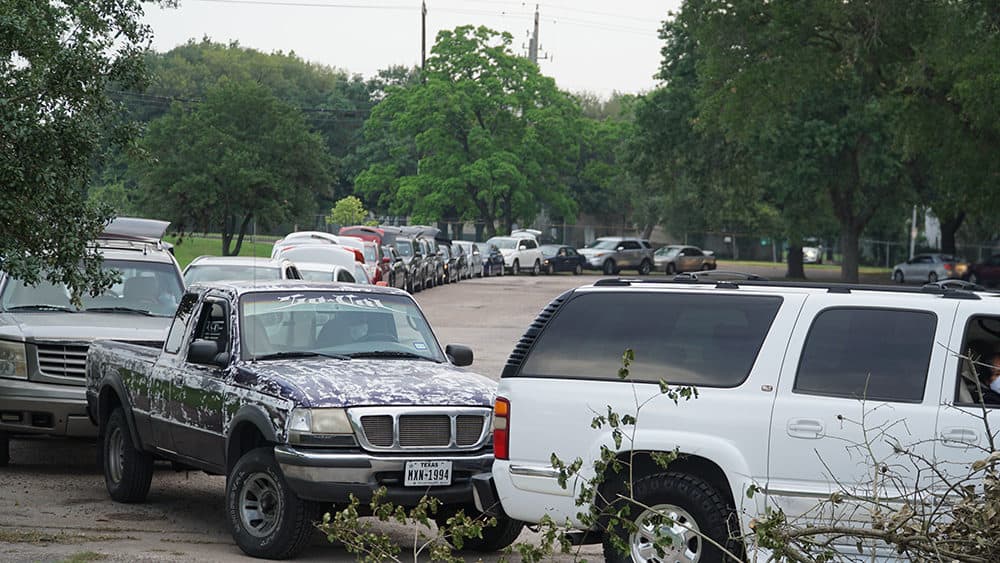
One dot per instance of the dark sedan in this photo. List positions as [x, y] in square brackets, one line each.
[561, 258]
[986, 272]
[492, 259]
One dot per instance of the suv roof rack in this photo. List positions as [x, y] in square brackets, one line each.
[948, 289]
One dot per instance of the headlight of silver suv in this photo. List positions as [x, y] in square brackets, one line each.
[320, 427]
[13, 360]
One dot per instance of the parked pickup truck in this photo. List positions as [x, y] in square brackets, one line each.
[301, 394]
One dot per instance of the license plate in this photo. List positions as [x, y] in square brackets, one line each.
[425, 473]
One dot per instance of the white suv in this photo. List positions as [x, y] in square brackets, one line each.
[784, 374]
[520, 251]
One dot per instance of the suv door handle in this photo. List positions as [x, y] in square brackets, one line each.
[959, 437]
[807, 428]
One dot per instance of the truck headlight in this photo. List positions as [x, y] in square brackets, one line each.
[13, 360]
[320, 427]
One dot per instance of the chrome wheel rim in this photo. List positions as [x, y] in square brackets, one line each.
[116, 454]
[261, 505]
[685, 545]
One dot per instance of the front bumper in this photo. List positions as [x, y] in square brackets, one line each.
[27, 407]
[330, 475]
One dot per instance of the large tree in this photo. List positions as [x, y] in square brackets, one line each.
[57, 59]
[240, 156]
[493, 139]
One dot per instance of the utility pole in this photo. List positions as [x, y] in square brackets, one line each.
[423, 35]
[533, 42]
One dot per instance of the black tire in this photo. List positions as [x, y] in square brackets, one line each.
[266, 518]
[694, 503]
[644, 268]
[671, 269]
[550, 270]
[898, 276]
[128, 471]
[609, 267]
[705, 267]
[494, 538]
[501, 271]
[932, 278]
[577, 270]
[973, 278]
[4, 449]
[536, 268]
[515, 269]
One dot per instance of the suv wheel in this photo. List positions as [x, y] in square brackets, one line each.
[516, 268]
[692, 504]
[128, 471]
[932, 277]
[644, 268]
[266, 518]
[609, 267]
[671, 269]
[536, 269]
[4, 449]
[577, 270]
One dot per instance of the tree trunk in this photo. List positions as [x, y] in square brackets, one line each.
[480, 228]
[243, 231]
[647, 231]
[849, 236]
[228, 226]
[949, 227]
[795, 268]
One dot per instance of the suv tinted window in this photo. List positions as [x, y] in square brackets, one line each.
[631, 245]
[875, 354]
[704, 340]
[529, 243]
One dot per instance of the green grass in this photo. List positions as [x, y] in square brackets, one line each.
[84, 557]
[191, 247]
[869, 270]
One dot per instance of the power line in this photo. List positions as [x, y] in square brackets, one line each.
[315, 5]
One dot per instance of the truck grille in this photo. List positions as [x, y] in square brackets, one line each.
[404, 430]
[66, 360]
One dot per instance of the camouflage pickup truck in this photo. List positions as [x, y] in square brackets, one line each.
[301, 394]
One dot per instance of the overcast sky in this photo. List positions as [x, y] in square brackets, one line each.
[591, 45]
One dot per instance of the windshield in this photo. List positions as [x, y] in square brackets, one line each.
[213, 272]
[667, 251]
[146, 287]
[315, 275]
[404, 248]
[604, 244]
[337, 323]
[370, 256]
[503, 243]
[445, 252]
[549, 251]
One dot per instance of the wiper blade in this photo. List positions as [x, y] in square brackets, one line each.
[392, 354]
[121, 310]
[62, 308]
[298, 354]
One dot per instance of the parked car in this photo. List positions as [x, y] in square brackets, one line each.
[812, 254]
[449, 263]
[677, 258]
[986, 272]
[520, 253]
[318, 238]
[324, 272]
[458, 251]
[614, 254]
[217, 268]
[929, 268]
[561, 258]
[805, 374]
[303, 395]
[44, 336]
[377, 269]
[330, 254]
[397, 273]
[493, 260]
[473, 257]
[411, 252]
[432, 261]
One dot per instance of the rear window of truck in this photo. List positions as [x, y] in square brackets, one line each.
[688, 339]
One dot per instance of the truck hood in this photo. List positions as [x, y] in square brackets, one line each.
[588, 252]
[327, 382]
[54, 325]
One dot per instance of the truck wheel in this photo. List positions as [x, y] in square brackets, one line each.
[644, 268]
[4, 449]
[609, 267]
[128, 471]
[494, 538]
[266, 518]
[690, 503]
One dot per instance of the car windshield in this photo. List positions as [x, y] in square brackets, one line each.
[549, 251]
[152, 288]
[337, 323]
[667, 251]
[404, 249]
[316, 275]
[445, 252]
[503, 243]
[604, 244]
[218, 272]
[370, 256]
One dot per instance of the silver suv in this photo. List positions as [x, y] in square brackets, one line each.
[614, 254]
[44, 338]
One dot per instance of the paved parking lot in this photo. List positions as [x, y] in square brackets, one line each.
[53, 503]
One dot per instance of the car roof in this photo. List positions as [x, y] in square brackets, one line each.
[238, 261]
[135, 251]
[249, 286]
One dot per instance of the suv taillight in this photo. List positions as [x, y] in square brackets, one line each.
[501, 425]
[948, 267]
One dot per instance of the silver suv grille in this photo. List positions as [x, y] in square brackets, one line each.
[416, 428]
[66, 360]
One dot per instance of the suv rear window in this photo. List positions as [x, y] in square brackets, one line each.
[690, 339]
[876, 354]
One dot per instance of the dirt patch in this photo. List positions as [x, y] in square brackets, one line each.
[40, 537]
[132, 517]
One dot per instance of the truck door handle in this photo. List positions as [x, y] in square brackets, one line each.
[807, 428]
[959, 437]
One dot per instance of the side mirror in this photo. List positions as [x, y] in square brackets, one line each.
[522, 247]
[204, 352]
[620, 248]
[458, 354]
